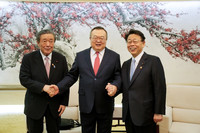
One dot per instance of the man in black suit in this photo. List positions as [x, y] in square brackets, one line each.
[39, 102]
[95, 97]
[144, 93]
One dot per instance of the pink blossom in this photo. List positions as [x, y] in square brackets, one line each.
[39, 15]
[8, 15]
[53, 26]
[118, 24]
[83, 19]
[181, 48]
[169, 48]
[51, 18]
[60, 20]
[17, 45]
[30, 35]
[24, 37]
[1, 40]
[10, 32]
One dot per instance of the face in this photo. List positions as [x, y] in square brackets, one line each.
[135, 45]
[46, 43]
[98, 39]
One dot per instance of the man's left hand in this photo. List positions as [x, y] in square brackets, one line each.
[112, 89]
[61, 109]
[157, 118]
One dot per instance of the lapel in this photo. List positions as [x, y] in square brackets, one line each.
[40, 62]
[88, 60]
[105, 59]
[127, 73]
[139, 68]
[103, 62]
[54, 62]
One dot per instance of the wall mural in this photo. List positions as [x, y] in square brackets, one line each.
[21, 21]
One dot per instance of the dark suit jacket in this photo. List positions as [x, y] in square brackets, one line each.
[33, 77]
[92, 90]
[145, 94]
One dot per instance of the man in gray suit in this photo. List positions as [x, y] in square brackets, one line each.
[144, 87]
[98, 69]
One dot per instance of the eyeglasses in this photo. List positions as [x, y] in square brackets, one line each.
[133, 41]
[95, 38]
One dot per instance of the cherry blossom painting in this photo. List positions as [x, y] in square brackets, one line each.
[172, 30]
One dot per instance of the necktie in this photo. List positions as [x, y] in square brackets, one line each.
[132, 69]
[96, 63]
[47, 66]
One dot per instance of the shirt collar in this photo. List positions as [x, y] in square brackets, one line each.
[93, 52]
[43, 56]
[137, 58]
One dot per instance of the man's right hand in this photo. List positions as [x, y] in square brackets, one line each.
[52, 90]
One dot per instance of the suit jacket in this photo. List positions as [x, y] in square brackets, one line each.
[145, 94]
[33, 77]
[92, 90]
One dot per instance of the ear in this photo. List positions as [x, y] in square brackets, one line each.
[143, 44]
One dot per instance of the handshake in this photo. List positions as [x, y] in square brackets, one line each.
[111, 89]
[52, 90]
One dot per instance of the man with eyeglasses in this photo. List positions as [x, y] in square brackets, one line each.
[98, 69]
[144, 87]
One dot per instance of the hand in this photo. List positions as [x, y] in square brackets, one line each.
[61, 109]
[112, 89]
[157, 118]
[51, 90]
[54, 90]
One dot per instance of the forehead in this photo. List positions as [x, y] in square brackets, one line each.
[134, 36]
[47, 36]
[98, 32]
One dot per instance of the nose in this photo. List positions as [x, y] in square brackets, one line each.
[98, 40]
[48, 43]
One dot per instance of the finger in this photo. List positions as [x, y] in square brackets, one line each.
[61, 112]
[59, 109]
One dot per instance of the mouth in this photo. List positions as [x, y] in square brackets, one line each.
[132, 49]
[47, 48]
[98, 45]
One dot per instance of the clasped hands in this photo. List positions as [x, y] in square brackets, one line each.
[52, 90]
[112, 89]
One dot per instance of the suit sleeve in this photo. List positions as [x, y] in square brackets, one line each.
[117, 73]
[65, 95]
[25, 76]
[159, 86]
[70, 78]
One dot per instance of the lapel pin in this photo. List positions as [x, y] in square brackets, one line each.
[53, 66]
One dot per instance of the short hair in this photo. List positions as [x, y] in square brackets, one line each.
[136, 32]
[99, 28]
[42, 32]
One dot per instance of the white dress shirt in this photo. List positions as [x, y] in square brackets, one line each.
[93, 55]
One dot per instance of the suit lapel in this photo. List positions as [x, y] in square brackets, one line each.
[127, 72]
[41, 64]
[139, 67]
[105, 59]
[54, 60]
[88, 60]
